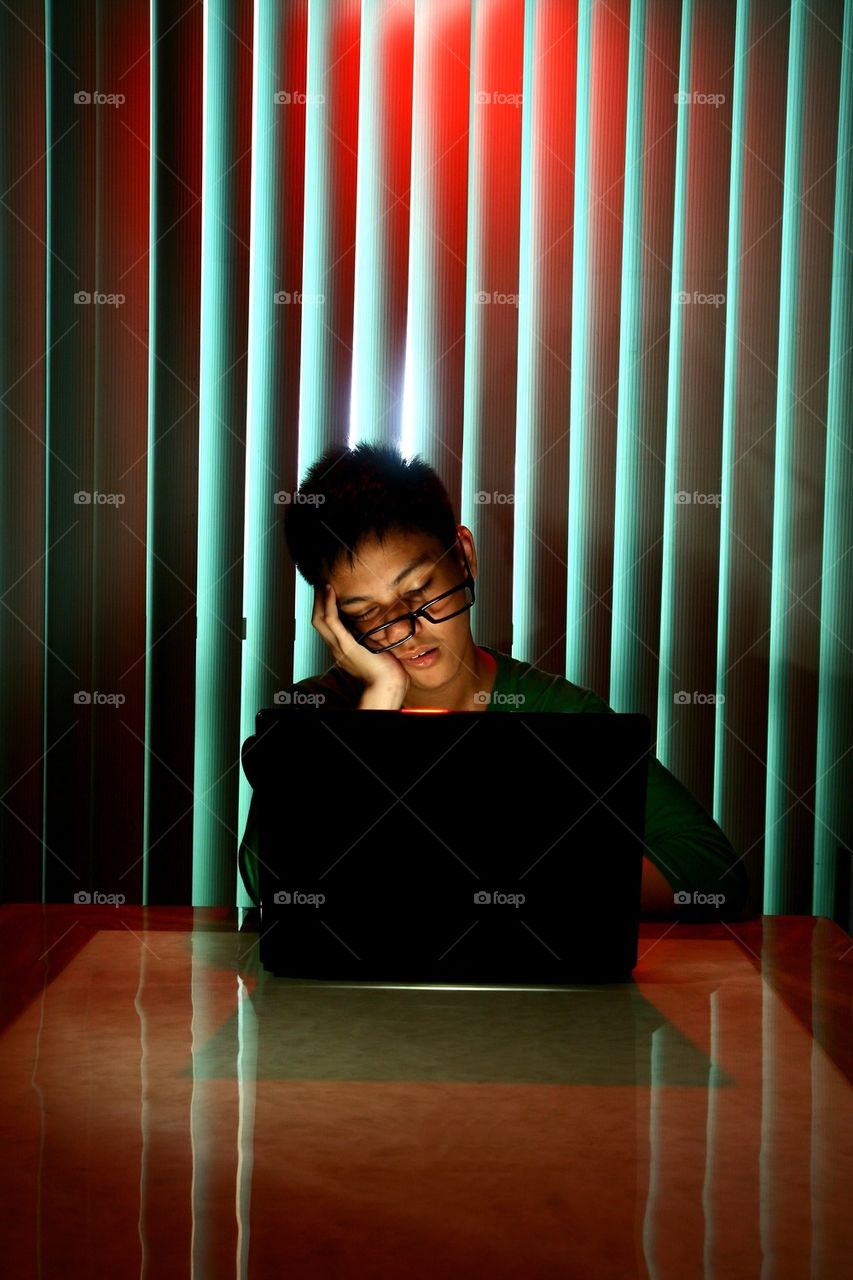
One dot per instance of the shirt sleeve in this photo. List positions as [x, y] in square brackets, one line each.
[335, 691]
[709, 880]
[691, 850]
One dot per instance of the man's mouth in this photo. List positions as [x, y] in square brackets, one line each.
[422, 657]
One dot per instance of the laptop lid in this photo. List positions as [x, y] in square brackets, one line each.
[449, 848]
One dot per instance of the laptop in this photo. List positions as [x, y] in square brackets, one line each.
[449, 847]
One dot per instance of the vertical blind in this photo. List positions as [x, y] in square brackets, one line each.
[592, 259]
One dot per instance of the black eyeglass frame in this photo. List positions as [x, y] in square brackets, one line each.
[422, 612]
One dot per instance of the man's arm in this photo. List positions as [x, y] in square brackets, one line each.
[707, 874]
[687, 846]
[381, 698]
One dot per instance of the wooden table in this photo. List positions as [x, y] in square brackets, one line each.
[170, 1109]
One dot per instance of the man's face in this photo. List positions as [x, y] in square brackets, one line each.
[400, 574]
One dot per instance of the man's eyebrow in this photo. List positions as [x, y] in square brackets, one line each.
[416, 564]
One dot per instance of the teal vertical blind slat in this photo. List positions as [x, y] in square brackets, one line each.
[625, 669]
[812, 122]
[592, 261]
[704, 303]
[577, 553]
[730, 388]
[607, 123]
[494, 168]
[473, 334]
[222, 461]
[381, 248]
[749, 410]
[544, 334]
[328, 272]
[648, 214]
[527, 402]
[598, 205]
[275, 304]
[778, 868]
[666, 677]
[835, 699]
[433, 390]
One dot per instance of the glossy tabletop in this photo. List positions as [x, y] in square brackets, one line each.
[169, 1109]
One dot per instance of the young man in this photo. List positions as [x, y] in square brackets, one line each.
[393, 577]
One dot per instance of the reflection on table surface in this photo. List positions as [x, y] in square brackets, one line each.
[172, 1109]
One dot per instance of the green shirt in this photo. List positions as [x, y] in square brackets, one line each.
[681, 838]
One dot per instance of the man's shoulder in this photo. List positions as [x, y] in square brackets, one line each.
[333, 689]
[522, 686]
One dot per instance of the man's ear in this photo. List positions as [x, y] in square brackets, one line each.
[470, 552]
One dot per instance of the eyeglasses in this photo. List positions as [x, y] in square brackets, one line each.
[440, 609]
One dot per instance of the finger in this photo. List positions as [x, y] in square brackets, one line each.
[318, 616]
[330, 613]
[319, 604]
[328, 625]
[323, 614]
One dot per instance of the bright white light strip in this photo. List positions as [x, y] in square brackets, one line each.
[434, 986]
[407, 426]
